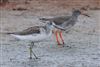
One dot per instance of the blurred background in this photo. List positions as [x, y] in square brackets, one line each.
[45, 6]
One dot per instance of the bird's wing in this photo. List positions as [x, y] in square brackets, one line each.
[31, 30]
[59, 27]
[60, 20]
[57, 20]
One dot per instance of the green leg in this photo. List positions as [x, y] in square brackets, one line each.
[31, 52]
[34, 55]
[30, 48]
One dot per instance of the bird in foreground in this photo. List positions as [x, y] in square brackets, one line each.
[34, 34]
[63, 23]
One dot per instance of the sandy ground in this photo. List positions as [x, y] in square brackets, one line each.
[84, 39]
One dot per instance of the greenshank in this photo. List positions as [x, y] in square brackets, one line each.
[34, 34]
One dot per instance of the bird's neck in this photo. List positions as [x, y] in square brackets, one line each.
[48, 30]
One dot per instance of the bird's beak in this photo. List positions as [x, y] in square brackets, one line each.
[85, 14]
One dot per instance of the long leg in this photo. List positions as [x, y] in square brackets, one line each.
[56, 33]
[31, 46]
[34, 55]
[61, 37]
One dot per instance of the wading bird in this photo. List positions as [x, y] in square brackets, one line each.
[33, 35]
[63, 23]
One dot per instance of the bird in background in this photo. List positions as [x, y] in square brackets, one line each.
[63, 23]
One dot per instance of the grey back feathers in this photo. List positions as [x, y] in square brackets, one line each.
[34, 30]
[28, 31]
[56, 20]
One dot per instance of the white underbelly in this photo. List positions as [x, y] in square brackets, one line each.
[35, 38]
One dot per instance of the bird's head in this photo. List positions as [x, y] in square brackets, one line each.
[50, 25]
